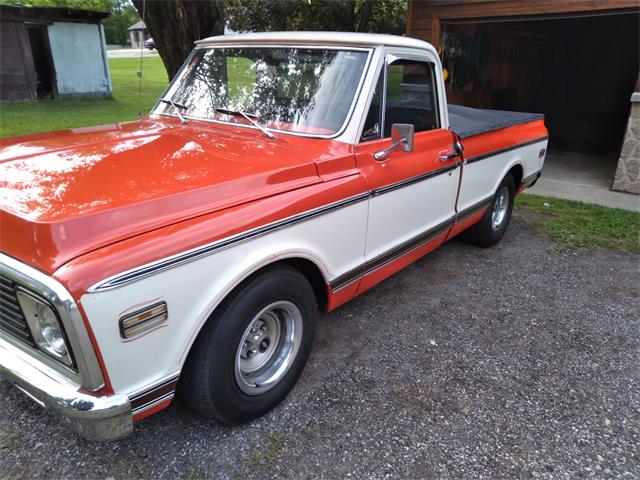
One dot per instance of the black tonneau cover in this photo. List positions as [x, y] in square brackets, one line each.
[467, 121]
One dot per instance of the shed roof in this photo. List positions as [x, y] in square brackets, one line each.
[50, 14]
[138, 26]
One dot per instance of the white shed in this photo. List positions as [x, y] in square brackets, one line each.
[52, 52]
[138, 34]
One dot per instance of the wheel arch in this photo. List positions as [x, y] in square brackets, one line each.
[313, 274]
[517, 171]
[311, 267]
[308, 265]
[514, 167]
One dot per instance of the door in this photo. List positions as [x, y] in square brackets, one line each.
[17, 75]
[39, 40]
[413, 193]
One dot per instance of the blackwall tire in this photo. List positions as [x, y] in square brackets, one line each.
[252, 350]
[491, 228]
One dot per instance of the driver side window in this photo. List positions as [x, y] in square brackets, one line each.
[409, 98]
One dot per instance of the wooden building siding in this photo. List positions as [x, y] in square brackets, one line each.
[18, 72]
[424, 16]
[33, 67]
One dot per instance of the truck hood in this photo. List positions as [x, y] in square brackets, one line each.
[63, 194]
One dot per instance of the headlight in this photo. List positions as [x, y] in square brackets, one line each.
[45, 327]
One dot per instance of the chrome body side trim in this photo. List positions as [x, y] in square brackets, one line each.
[412, 180]
[151, 268]
[473, 209]
[190, 255]
[347, 278]
[389, 256]
[477, 158]
[96, 418]
[54, 292]
[153, 395]
[153, 403]
[408, 246]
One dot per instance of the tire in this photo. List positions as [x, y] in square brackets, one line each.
[490, 229]
[273, 315]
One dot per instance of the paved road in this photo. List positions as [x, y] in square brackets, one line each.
[506, 362]
[131, 52]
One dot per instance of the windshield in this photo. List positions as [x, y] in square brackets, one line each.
[301, 90]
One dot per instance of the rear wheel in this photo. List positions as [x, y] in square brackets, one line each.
[252, 350]
[490, 229]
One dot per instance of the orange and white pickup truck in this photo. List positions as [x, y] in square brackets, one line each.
[189, 251]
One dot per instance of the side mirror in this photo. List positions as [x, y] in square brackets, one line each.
[401, 136]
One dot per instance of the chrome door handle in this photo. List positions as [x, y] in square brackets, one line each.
[448, 156]
[458, 148]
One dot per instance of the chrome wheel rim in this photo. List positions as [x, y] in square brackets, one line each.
[268, 347]
[500, 207]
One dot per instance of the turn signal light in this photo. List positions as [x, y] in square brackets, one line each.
[144, 319]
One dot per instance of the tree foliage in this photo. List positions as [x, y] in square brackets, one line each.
[381, 16]
[123, 14]
[101, 5]
[116, 25]
[176, 24]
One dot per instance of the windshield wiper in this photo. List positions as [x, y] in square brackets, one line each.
[250, 117]
[176, 106]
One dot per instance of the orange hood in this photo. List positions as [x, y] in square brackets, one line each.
[66, 193]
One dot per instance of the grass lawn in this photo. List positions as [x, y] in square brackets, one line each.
[584, 226]
[20, 118]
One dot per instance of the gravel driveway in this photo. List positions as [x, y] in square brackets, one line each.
[505, 362]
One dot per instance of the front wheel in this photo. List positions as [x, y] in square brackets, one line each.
[252, 350]
[490, 229]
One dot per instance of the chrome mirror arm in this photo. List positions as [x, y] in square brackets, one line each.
[382, 154]
[401, 135]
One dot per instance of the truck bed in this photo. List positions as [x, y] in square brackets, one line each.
[467, 122]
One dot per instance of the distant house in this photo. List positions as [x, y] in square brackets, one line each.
[52, 52]
[138, 33]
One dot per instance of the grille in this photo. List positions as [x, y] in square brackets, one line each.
[12, 320]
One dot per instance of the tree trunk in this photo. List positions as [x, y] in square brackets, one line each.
[176, 24]
[349, 17]
[364, 14]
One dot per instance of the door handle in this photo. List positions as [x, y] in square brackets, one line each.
[458, 148]
[449, 156]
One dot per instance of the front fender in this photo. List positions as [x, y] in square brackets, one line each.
[334, 242]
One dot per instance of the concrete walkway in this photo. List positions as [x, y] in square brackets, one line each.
[583, 177]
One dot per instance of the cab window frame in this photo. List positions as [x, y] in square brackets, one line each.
[432, 81]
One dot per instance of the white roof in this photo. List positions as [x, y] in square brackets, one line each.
[138, 26]
[317, 38]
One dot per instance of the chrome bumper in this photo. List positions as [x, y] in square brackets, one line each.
[96, 418]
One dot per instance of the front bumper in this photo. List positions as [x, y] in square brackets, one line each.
[96, 418]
